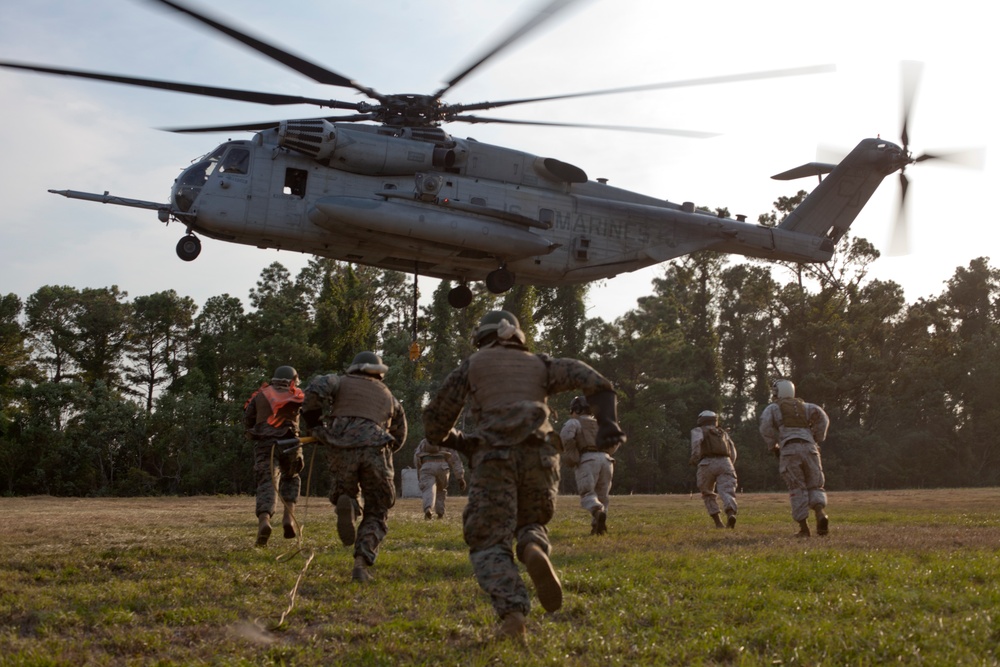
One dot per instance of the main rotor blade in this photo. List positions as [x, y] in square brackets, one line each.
[618, 128]
[194, 89]
[911, 73]
[687, 83]
[262, 125]
[899, 244]
[301, 65]
[542, 15]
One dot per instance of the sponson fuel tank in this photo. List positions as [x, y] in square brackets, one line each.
[415, 221]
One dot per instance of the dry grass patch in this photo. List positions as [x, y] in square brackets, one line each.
[905, 576]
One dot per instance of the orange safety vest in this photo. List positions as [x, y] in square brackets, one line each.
[283, 404]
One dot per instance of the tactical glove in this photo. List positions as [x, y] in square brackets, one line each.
[776, 450]
[604, 405]
[462, 485]
[456, 440]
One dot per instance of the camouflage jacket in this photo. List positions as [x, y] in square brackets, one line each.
[348, 432]
[774, 432]
[427, 452]
[513, 422]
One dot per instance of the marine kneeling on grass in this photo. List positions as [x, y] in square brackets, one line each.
[363, 423]
[513, 458]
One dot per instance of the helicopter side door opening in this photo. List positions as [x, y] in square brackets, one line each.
[295, 182]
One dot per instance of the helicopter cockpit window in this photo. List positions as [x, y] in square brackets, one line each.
[237, 161]
[188, 184]
[295, 182]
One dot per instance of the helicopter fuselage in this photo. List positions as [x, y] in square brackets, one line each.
[449, 208]
[386, 186]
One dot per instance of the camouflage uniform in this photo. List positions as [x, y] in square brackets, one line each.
[800, 464]
[716, 476]
[265, 426]
[434, 468]
[594, 471]
[360, 457]
[514, 464]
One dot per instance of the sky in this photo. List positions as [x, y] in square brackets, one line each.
[60, 133]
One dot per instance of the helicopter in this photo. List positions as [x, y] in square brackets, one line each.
[385, 185]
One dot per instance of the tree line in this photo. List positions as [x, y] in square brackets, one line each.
[101, 394]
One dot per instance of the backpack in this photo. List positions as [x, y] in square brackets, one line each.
[715, 442]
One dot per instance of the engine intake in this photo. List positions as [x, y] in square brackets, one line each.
[362, 152]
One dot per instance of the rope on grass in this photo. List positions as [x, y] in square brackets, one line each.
[299, 548]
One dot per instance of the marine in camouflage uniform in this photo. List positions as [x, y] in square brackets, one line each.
[714, 452]
[513, 458]
[270, 414]
[363, 424]
[594, 468]
[793, 430]
[435, 466]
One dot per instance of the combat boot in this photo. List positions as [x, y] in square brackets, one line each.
[345, 520]
[263, 528]
[822, 523]
[360, 572]
[718, 521]
[427, 515]
[803, 529]
[513, 626]
[544, 577]
[731, 521]
[288, 521]
[599, 524]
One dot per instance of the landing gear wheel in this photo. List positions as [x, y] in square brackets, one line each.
[189, 247]
[460, 297]
[499, 281]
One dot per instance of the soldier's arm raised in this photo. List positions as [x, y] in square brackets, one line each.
[442, 411]
[398, 426]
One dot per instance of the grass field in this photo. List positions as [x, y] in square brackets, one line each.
[906, 577]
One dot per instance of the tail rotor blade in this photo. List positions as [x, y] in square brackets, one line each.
[912, 71]
[899, 244]
[973, 158]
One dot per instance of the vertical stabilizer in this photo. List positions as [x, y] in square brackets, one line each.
[830, 209]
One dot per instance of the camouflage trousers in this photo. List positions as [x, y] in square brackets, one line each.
[512, 495]
[433, 479]
[283, 466]
[368, 471]
[716, 479]
[801, 468]
[593, 480]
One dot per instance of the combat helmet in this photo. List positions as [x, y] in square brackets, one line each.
[284, 375]
[706, 417]
[580, 406]
[782, 389]
[498, 325]
[368, 363]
